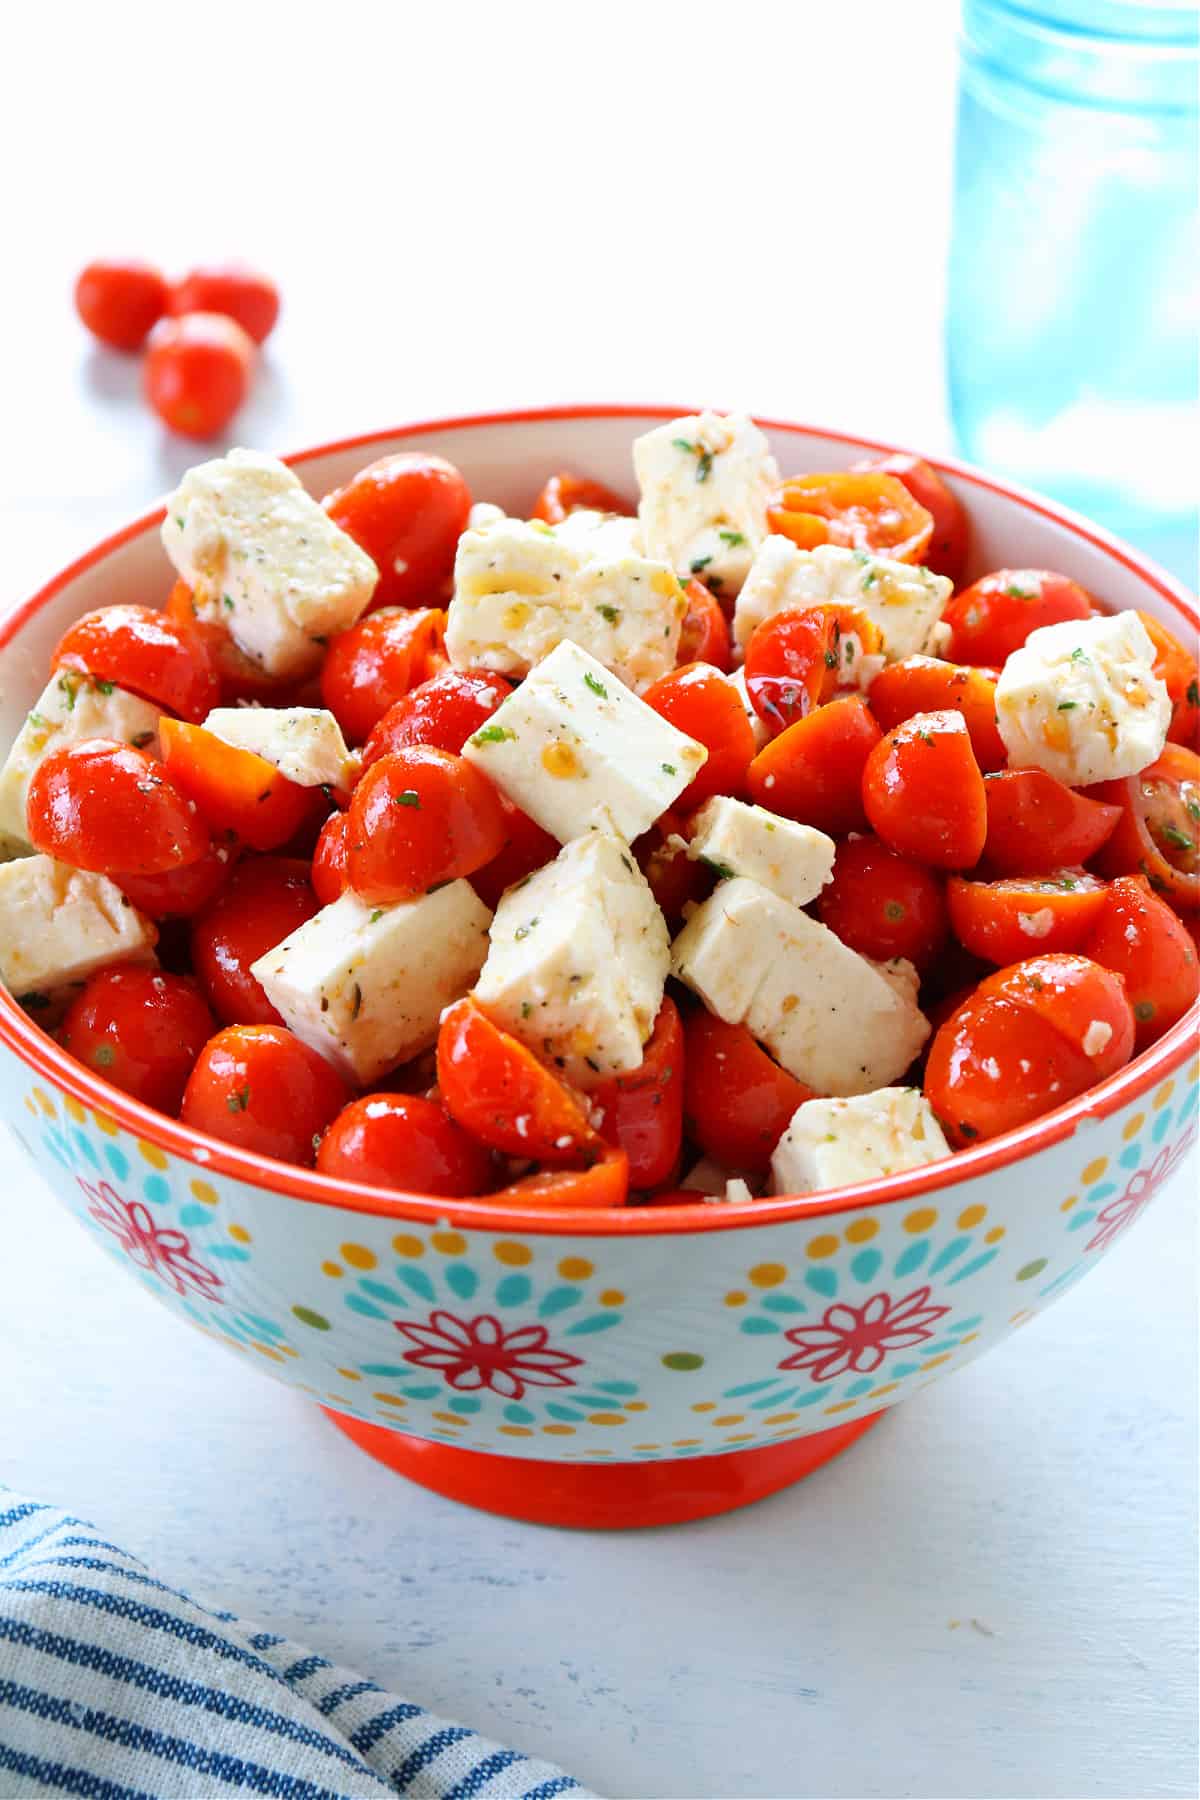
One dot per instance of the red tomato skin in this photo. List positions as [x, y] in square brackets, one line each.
[145, 652]
[565, 493]
[105, 806]
[142, 1030]
[993, 617]
[329, 860]
[1073, 994]
[641, 1112]
[813, 771]
[418, 817]
[526, 847]
[704, 636]
[1036, 825]
[986, 915]
[197, 372]
[737, 1100]
[180, 893]
[405, 1142]
[1165, 793]
[506, 1098]
[265, 899]
[407, 511]
[884, 905]
[993, 1066]
[374, 664]
[240, 794]
[791, 665]
[259, 1087]
[862, 510]
[924, 794]
[443, 711]
[698, 701]
[926, 684]
[674, 878]
[1139, 938]
[946, 552]
[604, 1183]
[120, 302]
[240, 678]
[233, 290]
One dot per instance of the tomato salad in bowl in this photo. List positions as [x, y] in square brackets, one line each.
[624, 855]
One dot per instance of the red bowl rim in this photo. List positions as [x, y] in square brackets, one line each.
[33, 1047]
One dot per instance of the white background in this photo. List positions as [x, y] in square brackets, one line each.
[476, 206]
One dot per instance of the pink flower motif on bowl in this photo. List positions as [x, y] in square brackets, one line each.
[859, 1337]
[162, 1252]
[1141, 1188]
[479, 1353]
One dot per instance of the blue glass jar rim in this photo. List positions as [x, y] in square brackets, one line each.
[1147, 24]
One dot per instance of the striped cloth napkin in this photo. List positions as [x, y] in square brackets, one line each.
[114, 1686]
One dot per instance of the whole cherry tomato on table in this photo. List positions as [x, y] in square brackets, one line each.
[993, 617]
[926, 684]
[699, 701]
[946, 552]
[329, 877]
[502, 1095]
[120, 302]
[565, 493]
[1139, 938]
[737, 1100]
[1003, 921]
[641, 1112]
[859, 511]
[238, 792]
[418, 817]
[1177, 670]
[259, 1087]
[197, 372]
[883, 905]
[106, 806]
[142, 1030]
[444, 711]
[1158, 826]
[406, 1142]
[145, 652]
[234, 290]
[265, 900]
[924, 794]
[813, 771]
[704, 636]
[407, 511]
[1036, 825]
[375, 663]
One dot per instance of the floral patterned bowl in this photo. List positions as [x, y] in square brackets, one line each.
[618, 1368]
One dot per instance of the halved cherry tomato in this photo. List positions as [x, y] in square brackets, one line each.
[1140, 939]
[443, 711]
[329, 876]
[119, 302]
[1158, 826]
[419, 817]
[235, 790]
[704, 637]
[861, 511]
[197, 372]
[673, 877]
[504, 1096]
[142, 1029]
[403, 1141]
[1085, 1003]
[565, 493]
[259, 1087]
[993, 1066]
[813, 771]
[240, 293]
[145, 652]
[993, 617]
[946, 552]
[791, 665]
[407, 511]
[641, 1112]
[926, 684]
[240, 678]
[526, 847]
[1003, 921]
[180, 892]
[374, 664]
[699, 701]
[883, 905]
[265, 900]
[103, 805]
[736, 1099]
[1177, 670]
[924, 794]
[1036, 825]
[605, 1183]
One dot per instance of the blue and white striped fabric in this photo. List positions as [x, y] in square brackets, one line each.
[114, 1686]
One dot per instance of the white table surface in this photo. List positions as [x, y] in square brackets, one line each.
[995, 1593]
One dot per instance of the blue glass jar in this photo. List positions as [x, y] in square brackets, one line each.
[1074, 272]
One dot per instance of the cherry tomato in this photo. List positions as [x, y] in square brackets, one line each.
[925, 684]
[374, 664]
[197, 372]
[1158, 827]
[994, 616]
[704, 637]
[993, 1066]
[946, 552]
[265, 900]
[402, 1141]
[1177, 670]
[142, 1030]
[1086, 1004]
[791, 665]
[1036, 825]
[180, 892]
[526, 847]
[882, 905]
[407, 511]
[501, 1093]
[444, 711]
[236, 291]
[565, 493]
[419, 817]
[120, 302]
[145, 652]
[641, 1112]
[235, 790]
[924, 794]
[259, 1087]
[737, 1100]
[1139, 938]
[700, 702]
[673, 877]
[329, 877]
[1003, 921]
[605, 1183]
[870, 512]
[106, 806]
[813, 771]
[240, 678]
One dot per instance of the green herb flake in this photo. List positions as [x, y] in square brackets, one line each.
[831, 661]
[700, 563]
[68, 688]
[106, 687]
[721, 870]
[1193, 693]
[968, 1131]
[409, 797]
[682, 444]
[1016, 592]
[1193, 809]
[492, 734]
[104, 1056]
[1080, 655]
[356, 1008]
[610, 613]
[1066, 706]
[1178, 839]
[597, 687]
[377, 914]
[239, 1100]
[704, 466]
[38, 722]
[142, 739]
[227, 602]
[523, 931]
[1143, 1011]
[668, 768]
[526, 1008]
[732, 538]
[179, 520]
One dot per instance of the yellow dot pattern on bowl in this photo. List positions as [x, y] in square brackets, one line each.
[1164, 1094]
[407, 1245]
[358, 1256]
[861, 1231]
[239, 1234]
[607, 1419]
[334, 1269]
[513, 1256]
[204, 1191]
[575, 1268]
[151, 1153]
[449, 1243]
[735, 1298]
[79, 1113]
[612, 1297]
[768, 1275]
[920, 1220]
[994, 1235]
[824, 1245]
[971, 1215]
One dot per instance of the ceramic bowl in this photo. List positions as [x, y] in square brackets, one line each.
[619, 1368]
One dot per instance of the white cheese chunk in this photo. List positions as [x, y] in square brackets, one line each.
[832, 1143]
[836, 1021]
[602, 534]
[59, 925]
[262, 557]
[71, 708]
[1081, 700]
[305, 743]
[904, 601]
[482, 514]
[706, 483]
[577, 751]
[366, 985]
[578, 959]
[710, 1182]
[792, 860]
[758, 726]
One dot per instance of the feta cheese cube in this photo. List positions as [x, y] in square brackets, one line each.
[1081, 700]
[832, 1143]
[577, 751]
[833, 1019]
[71, 708]
[792, 860]
[366, 985]
[706, 483]
[59, 925]
[904, 601]
[305, 743]
[578, 959]
[482, 514]
[603, 534]
[262, 557]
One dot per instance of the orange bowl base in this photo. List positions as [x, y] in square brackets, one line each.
[605, 1496]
